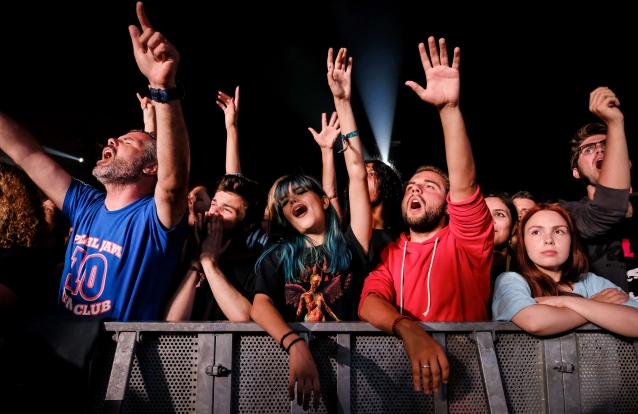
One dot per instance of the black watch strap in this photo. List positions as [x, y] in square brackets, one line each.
[165, 95]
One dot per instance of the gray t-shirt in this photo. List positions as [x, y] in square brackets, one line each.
[512, 293]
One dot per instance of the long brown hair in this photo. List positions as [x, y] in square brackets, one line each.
[572, 270]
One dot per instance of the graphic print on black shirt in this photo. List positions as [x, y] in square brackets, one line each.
[316, 292]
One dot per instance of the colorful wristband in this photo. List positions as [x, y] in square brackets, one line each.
[345, 138]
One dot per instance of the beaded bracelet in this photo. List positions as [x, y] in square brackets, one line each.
[292, 343]
[396, 322]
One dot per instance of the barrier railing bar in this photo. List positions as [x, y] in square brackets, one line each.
[345, 327]
[222, 372]
[343, 374]
[120, 372]
[490, 373]
[440, 398]
[571, 380]
[205, 357]
[553, 378]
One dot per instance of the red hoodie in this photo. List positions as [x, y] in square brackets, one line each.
[460, 257]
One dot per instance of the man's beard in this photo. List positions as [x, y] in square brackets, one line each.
[427, 222]
[119, 172]
[587, 179]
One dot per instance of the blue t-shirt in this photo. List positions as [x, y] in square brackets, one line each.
[512, 293]
[118, 263]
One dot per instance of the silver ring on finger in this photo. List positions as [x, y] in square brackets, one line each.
[425, 366]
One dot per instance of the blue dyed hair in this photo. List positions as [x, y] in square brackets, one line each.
[291, 244]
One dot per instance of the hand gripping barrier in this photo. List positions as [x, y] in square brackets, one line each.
[237, 368]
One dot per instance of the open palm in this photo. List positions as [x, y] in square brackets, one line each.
[443, 82]
[339, 75]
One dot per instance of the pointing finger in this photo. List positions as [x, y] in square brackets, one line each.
[237, 97]
[323, 120]
[330, 59]
[456, 63]
[141, 16]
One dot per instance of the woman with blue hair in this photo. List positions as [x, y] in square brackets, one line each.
[312, 271]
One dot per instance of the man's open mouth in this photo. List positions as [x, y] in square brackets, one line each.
[107, 153]
[599, 163]
[415, 204]
[299, 210]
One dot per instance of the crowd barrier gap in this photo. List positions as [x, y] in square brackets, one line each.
[495, 367]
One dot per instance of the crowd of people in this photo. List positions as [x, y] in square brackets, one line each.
[392, 253]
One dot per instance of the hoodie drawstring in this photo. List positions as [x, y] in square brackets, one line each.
[429, 273]
[405, 249]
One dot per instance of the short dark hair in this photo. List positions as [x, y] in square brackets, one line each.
[582, 134]
[150, 148]
[523, 194]
[437, 170]
[252, 194]
[508, 201]
[390, 195]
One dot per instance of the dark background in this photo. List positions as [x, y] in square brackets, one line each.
[69, 75]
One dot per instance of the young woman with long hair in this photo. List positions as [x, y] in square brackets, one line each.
[312, 270]
[553, 292]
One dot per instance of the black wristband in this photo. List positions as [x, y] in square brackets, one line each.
[281, 343]
[292, 343]
[165, 95]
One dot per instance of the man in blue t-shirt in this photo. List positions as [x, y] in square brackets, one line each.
[125, 242]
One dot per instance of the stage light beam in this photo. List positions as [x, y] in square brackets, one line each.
[61, 154]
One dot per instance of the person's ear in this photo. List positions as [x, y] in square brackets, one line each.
[576, 173]
[150, 169]
[326, 202]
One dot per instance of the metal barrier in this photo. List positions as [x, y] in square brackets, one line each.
[237, 368]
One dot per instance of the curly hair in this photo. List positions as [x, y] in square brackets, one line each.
[390, 193]
[22, 221]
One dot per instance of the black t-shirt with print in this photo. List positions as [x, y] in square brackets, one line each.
[317, 296]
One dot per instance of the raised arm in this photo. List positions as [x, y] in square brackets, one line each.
[442, 90]
[326, 139]
[340, 82]
[157, 59]
[231, 111]
[614, 172]
[18, 144]
[149, 113]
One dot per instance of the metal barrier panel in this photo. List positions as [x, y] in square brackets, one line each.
[364, 371]
[520, 361]
[608, 374]
[466, 393]
[381, 378]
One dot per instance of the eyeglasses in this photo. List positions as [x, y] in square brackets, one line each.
[590, 148]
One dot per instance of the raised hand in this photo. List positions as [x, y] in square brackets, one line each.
[230, 106]
[604, 104]
[443, 81]
[149, 113]
[339, 75]
[156, 57]
[211, 247]
[329, 131]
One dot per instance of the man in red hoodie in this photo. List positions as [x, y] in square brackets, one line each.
[440, 271]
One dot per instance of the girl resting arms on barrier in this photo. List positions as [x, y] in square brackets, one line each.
[554, 292]
[312, 271]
